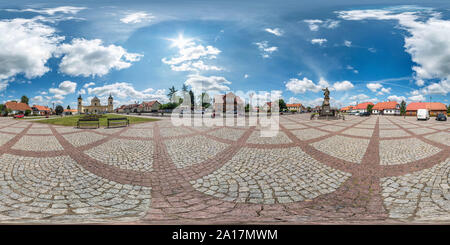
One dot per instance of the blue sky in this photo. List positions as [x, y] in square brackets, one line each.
[361, 50]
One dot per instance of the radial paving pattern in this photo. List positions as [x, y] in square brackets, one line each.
[361, 170]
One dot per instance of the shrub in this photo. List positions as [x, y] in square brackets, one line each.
[27, 112]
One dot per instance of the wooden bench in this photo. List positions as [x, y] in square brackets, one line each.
[89, 122]
[121, 121]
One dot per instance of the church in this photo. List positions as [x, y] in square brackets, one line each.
[95, 107]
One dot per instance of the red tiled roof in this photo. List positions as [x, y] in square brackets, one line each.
[362, 106]
[17, 106]
[347, 108]
[293, 105]
[432, 106]
[41, 108]
[70, 110]
[150, 103]
[385, 105]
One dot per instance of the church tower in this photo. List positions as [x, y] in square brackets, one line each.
[80, 106]
[110, 103]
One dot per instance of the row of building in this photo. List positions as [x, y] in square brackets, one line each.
[393, 108]
[38, 110]
[151, 106]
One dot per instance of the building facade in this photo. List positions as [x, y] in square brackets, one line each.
[17, 107]
[347, 109]
[433, 107]
[96, 107]
[40, 110]
[296, 107]
[386, 108]
[362, 107]
[229, 103]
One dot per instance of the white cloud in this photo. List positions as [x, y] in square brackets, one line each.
[125, 92]
[428, 41]
[359, 97]
[420, 82]
[417, 98]
[38, 100]
[90, 58]
[349, 67]
[51, 11]
[319, 41]
[348, 43]
[343, 86]
[200, 83]
[191, 56]
[88, 84]
[374, 86]
[386, 90]
[442, 88]
[396, 98]
[314, 25]
[301, 86]
[293, 100]
[266, 51]
[276, 31]
[246, 76]
[137, 17]
[25, 47]
[64, 88]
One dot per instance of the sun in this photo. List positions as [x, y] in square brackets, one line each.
[181, 42]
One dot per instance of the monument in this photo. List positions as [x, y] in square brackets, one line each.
[326, 111]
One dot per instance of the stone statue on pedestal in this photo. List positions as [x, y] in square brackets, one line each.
[326, 110]
[326, 100]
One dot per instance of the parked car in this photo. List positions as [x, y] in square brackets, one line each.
[19, 116]
[441, 117]
[423, 114]
[364, 114]
[357, 114]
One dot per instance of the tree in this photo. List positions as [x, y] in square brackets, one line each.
[308, 108]
[403, 108]
[205, 100]
[168, 106]
[172, 92]
[59, 110]
[68, 107]
[282, 105]
[24, 99]
[27, 112]
[369, 108]
[448, 108]
[191, 95]
[184, 88]
[247, 107]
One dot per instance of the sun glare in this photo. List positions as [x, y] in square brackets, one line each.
[180, 42]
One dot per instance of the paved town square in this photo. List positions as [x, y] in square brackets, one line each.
[377, 169]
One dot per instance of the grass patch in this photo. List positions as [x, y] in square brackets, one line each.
[72, 120]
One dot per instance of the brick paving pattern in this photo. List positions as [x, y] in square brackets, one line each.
[377, 169]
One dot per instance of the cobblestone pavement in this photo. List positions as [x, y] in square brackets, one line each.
[378, 169]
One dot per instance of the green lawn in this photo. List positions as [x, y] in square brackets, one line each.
[72, 120]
